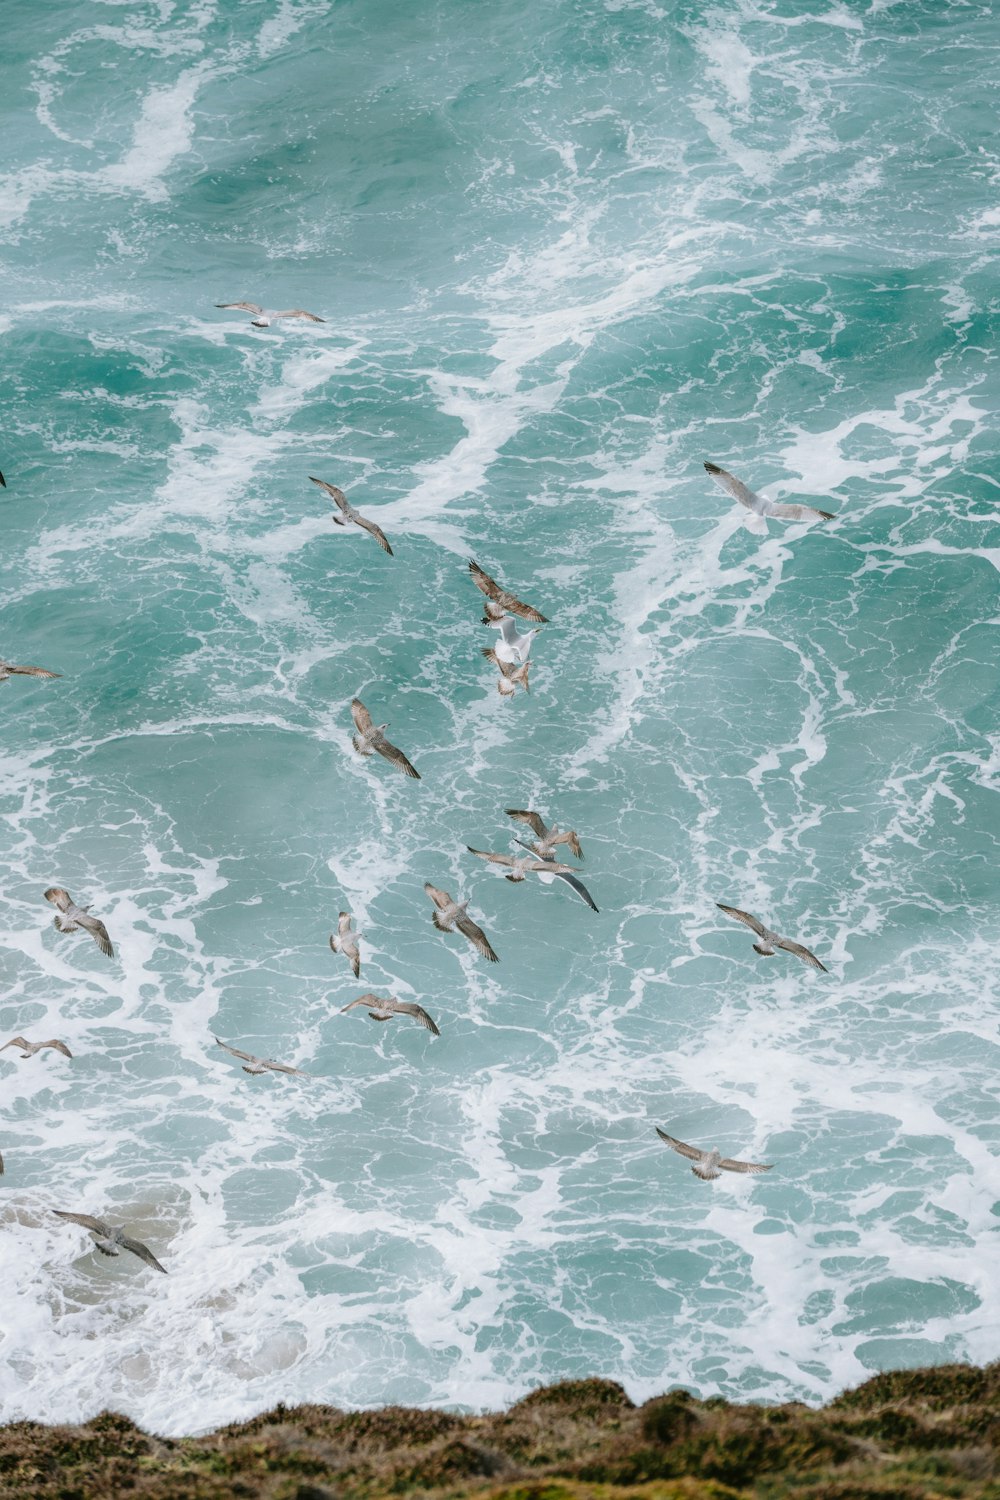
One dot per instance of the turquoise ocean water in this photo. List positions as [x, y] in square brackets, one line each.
[566, 252]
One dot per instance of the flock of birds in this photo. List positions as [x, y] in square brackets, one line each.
[511, 657]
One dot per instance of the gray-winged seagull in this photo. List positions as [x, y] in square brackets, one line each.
[769, 940]
[349, 514]
[761, 510]
[383, 1008]
[370, 739]
[75, 917]
[28, 1049]
[452, 915]
[111, 1239]
[710, 1164]
[499, 601]
[256, 1065]
[346, 942]
[264, 317]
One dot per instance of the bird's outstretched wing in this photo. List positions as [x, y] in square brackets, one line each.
[143, 1252]
[362, 718]
[440, 898]
[801, 952]
[97, 1225]
[58, 1047]
[394, 756]
[59, 897]
[735, 487]
[506, 600]
[532, 819]
[577, 885]
[691, 1152]
[29, 671]
[338, 496]
[744, 917]
[235, 1052]
[408, 1008]
[494, 859]
[797, 512]
[296, 312]
[18, 1041]
[250, 307]
[745, 1166]
[362, 1000]
[476, 936]
[376, 532]
[98, 932]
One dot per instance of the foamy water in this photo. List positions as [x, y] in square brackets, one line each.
[564, 258]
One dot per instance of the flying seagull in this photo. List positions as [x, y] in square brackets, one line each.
[453, 914]
[520, 866]
[111, 1239]
[348, 513]
[256, 1065]
[370, 738]
[709, 1164]
[8, 669]
[512, 647]
[74, 917]
[346, 942]
[555, 871]
[547, 839]
[770, 940]
[759, 508]
[499, 602]
[264, 317]
[384, 1009]
[510, 676]
[30, 1048]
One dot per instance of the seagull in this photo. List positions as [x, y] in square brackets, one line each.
[370, 738]
[451, 914]
[264, 318]
[520, 865]
[512, 647]
[499, 602]
[350, 514]
[8, 669]
[74, 917]
[510, 676]
[346, 942]
[111, 1239]
[707, 1164]
[384, 1009]
[257, 1065]
[770, 940]
[759, 508]
[547, 838]
[30, 1048]
[561, 872]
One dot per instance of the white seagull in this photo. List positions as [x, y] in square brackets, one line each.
[760, 509]
[556, 871]
[709, 1164]
[263, 317]
[512, 647]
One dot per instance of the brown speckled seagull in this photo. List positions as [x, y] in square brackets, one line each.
[74, 917]
[370, 738]
[348, 513]
[761, 510]
[511, 677]
[710, 1164]
[256, 1065]
[263, 318]
[346, 942]
[499, 602]
[8, 669]
[546, 839]
[383, 1008]
[769, 940]
[111, 1239]
[452, 915]
[28, 1049]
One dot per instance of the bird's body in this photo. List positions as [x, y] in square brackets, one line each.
[499, 602]
[28, 1049]
[710, 1164]
[452, 915]
[511, 676]
[264, 317]
[346, 942]
[111, 1239]
[512, 647]
[759, 509]
[384, 1008]
[546, 839]
[370, 740]
[257, 1065]
[8, 669]
[552, 871]
[72, 918]
[769, 941]
[348, 514]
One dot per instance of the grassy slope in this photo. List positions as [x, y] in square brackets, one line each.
[900, 1436]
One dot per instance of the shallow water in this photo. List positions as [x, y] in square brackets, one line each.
[565, 255]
